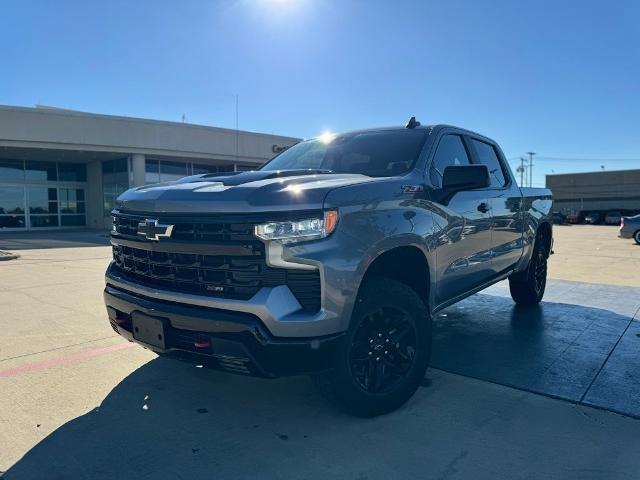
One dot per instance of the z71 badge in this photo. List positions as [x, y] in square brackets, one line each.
[412, 188]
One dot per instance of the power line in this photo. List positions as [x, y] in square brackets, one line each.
[576, 159]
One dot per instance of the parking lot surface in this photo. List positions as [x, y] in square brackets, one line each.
[79, 402]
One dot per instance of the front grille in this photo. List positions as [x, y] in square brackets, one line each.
[234, 266]
[186, 230]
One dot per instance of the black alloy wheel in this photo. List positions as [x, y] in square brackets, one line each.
[386, 350]
[383, 349]
[540, 270]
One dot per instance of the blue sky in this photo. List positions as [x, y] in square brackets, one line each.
[561, 78]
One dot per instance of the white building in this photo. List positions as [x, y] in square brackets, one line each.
[62, 168]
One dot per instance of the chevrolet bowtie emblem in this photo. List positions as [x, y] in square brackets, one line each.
[152, 230]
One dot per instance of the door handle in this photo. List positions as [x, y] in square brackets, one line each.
[483, 207]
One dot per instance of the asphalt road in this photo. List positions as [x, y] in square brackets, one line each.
[78, 402]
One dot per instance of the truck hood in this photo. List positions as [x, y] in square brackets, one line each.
[246, 192]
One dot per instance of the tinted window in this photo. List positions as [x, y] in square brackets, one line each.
[11, 200]
[374, 153]
[245, 168]
[73, 220]
[487, 156]
[152, 171]
[72, 172]
[11, 170]
[41, 171]
[199, 169]
[42, 200]
[172, 171]
[450, 151]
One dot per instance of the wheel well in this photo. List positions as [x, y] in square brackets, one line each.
[407, 265]
[544, 234]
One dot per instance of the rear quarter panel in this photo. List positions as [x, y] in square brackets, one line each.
[537, 204]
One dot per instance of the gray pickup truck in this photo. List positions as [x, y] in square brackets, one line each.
[328, 260]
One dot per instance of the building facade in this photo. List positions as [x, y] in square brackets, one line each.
[602, 191]
[64, 169]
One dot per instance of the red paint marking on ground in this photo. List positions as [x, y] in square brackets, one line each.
[64, 360]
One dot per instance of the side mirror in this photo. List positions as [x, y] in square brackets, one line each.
[465, 177]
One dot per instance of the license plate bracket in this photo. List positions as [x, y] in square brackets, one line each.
[148, 330]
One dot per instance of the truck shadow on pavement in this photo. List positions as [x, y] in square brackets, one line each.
[582, 354]
[173, 420]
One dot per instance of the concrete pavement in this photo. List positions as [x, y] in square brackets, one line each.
[78, 402]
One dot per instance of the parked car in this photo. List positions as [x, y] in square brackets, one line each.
[613, 218]
[572, 218]
[593, 218]
[330, 259]
[630, 228]
[558, 218]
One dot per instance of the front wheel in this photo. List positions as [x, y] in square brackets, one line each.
[529, 290]
[386, 350]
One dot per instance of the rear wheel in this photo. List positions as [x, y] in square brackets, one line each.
[386, 352]
[529, 290]
[636, 237]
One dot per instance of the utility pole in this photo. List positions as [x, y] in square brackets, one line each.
[521, 169]
[531, 154]
[235, 165]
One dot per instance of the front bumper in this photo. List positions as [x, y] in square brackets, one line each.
[238, 341]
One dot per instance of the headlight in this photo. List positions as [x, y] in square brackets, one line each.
[300, 230]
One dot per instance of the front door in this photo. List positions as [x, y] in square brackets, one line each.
[463, 250]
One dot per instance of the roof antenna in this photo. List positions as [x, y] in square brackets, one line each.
[412, 123]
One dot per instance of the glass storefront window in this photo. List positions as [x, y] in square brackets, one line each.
[200, 169]
[72, 172]
[73, 220]
[42, 200]
[41, 221]
[11, 170]
[151, 171]
[115, 180]
[72, 200]
[172, 171]
[12, 221]
[26, 203]
[12, 207]
[11, 200]
[41, 171]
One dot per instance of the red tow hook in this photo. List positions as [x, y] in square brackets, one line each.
[122, 318]
[202, 343]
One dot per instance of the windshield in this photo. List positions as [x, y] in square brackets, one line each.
[380, 153]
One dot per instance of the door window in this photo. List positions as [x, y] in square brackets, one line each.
[487, 156]
[450, 151]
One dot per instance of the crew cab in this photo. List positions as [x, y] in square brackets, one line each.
[329, 260]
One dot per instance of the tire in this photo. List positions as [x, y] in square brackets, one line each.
[528, 291]
[386, 350]
[636, 237]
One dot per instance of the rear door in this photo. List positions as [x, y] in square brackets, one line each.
[505, 202]
[464, 238]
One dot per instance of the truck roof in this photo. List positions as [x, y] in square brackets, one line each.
[433, 127]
